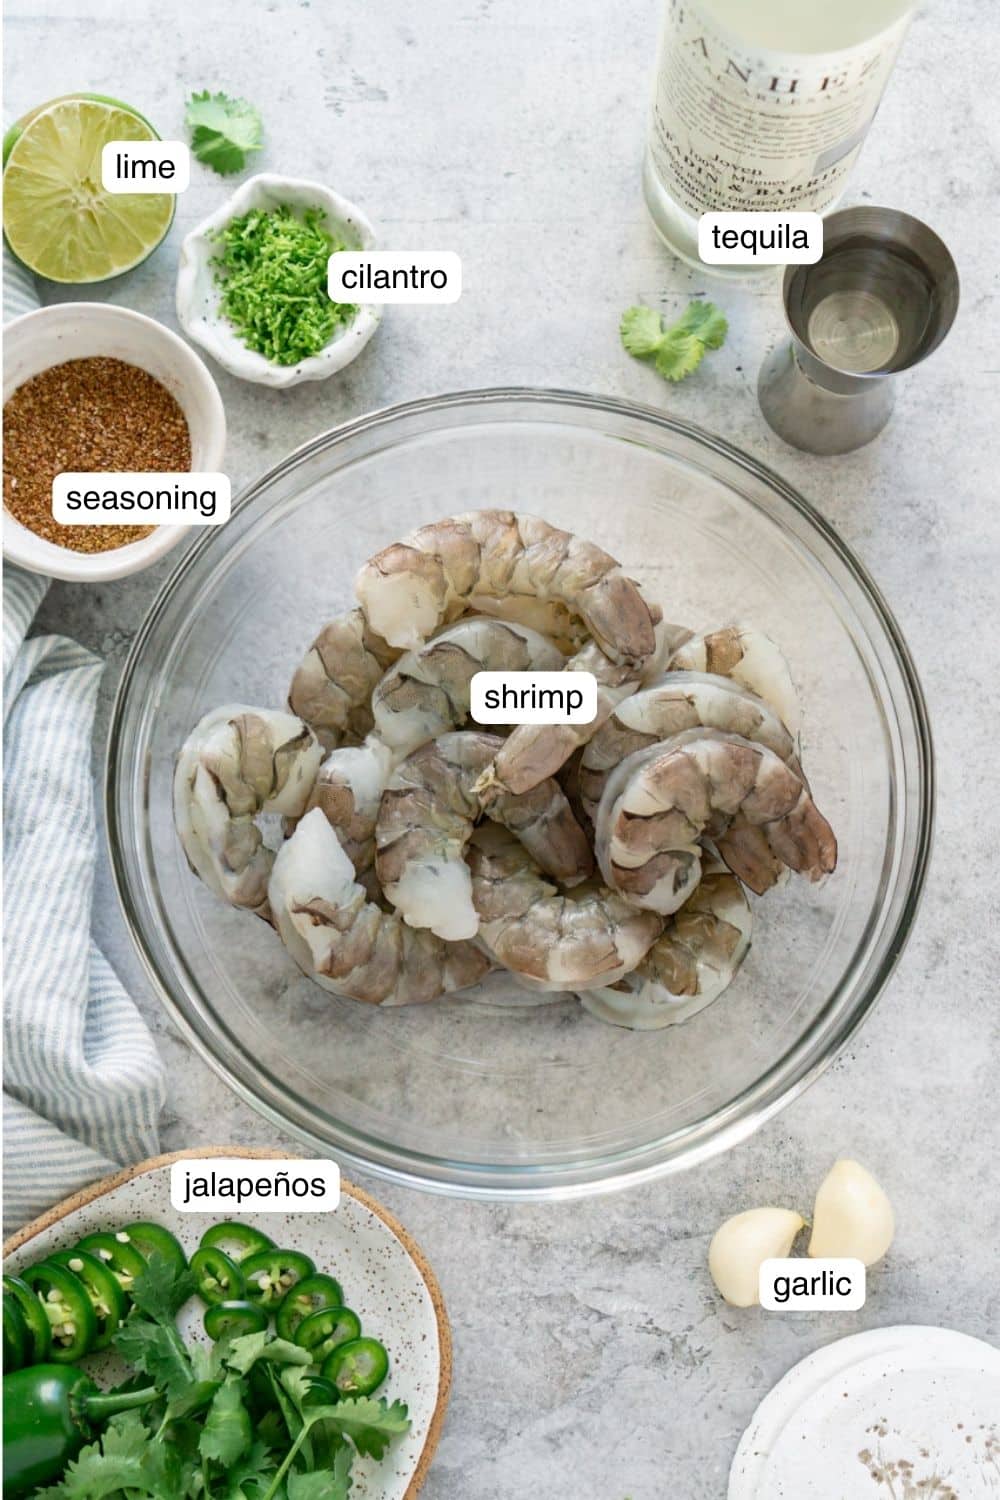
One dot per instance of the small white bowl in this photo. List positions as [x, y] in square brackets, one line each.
[84, 330]
[198, 292]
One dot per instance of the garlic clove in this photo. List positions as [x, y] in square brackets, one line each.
[741, 1245]
[852, 1215]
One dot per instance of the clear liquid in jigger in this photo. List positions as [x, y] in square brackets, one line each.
[863, 308]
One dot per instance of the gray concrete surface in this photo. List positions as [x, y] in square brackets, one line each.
[593, 1360]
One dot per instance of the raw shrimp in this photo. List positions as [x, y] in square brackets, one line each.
[425, 694]
[236, 763]
[427, 691]
[333, 684]
[427, 816]
[679, 701]
[535, 751]
[669, 639]
[409, 589]
[690, 964]
[348, 790]
[548, 616]
[749, 657]
[659, 802]
[551, 941]
[568, 777]
[344, 941]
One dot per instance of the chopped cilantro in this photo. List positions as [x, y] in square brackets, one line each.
[272, 273]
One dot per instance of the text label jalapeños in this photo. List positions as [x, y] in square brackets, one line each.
[216, 1184]
[394, 276]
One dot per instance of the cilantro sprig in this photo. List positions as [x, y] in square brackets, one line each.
[211, 1435]
[676, 351]
[224, 131]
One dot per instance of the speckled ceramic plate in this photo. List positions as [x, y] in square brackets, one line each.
[385, 1277]
[891, 1414]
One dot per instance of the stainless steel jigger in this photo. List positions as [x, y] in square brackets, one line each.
[882, 297]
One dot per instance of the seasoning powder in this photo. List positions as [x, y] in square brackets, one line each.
[88, 416]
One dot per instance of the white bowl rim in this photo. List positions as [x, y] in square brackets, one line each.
[226, 350]
[35, 553]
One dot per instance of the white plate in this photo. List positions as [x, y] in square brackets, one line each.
[385, 1279]
[896, 1412]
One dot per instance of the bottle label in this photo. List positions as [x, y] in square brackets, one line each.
[736, 127]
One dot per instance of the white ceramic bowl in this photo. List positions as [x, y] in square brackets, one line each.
[198, 292]
[83, 330]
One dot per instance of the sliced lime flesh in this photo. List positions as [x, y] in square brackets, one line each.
[58, 219]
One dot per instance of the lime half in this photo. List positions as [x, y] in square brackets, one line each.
[56, 215]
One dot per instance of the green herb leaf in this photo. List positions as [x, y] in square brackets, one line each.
[641, 331]
[224, 131]
[297, 1382]
[228, 1432]
[245, 1351]
[158, 1290]
[156, 1350]
[369, 1424]
[121, 1460]
[678, 350]
[678, 355]
[323, 1484]
[249, 1477]
[326, 1442]
[706, 321]
[193, 1398]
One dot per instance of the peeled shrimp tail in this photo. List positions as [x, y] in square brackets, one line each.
[236, 763]
[345, 942]
[411, 588]
[693, 961]
[426, 819]
[745, 847]
[659, 803]
[332, 687]
[551, 941]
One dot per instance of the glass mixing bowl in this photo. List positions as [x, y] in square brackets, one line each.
[488, 1093]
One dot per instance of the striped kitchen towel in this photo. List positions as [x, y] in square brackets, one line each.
[20, 291]
[83, 1086]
